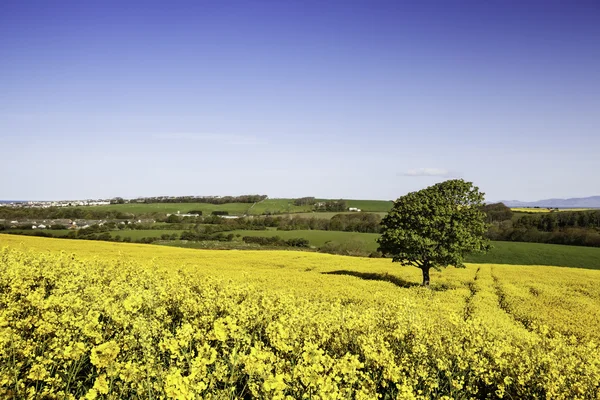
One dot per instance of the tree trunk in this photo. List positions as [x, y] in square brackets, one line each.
[425, 268]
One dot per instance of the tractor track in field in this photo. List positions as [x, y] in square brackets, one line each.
[504, 304]
[472, 285]
[247, 213]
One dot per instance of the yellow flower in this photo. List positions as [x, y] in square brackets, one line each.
[75, 351]
[274, 383]
[38, 373]
[103, 355]
[101, 385]
[92, 394]
[220, 330]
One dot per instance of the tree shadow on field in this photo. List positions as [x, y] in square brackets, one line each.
[371, 276]
[385, 277]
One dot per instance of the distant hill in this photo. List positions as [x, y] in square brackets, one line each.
[582, 202]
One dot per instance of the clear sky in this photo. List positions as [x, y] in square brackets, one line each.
[354, 99]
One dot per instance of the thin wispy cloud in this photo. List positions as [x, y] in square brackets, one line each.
[441, 172]
[214, 138]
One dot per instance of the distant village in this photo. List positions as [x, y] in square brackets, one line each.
[120, 200]
[61, 203]
[70, 223]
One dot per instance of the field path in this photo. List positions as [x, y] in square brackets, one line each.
[252, 206]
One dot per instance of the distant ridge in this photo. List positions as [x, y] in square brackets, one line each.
[581, 202]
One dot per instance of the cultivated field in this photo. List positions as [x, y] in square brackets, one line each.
[277, 206]
[516, 253]
[545, 210]
[81, 318]
[522, 253]
[272, 206]
[371, 205]
[173, 208]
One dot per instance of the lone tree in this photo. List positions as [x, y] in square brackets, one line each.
[435, 227]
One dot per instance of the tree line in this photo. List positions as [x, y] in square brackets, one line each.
[355, 222]
[577, 228]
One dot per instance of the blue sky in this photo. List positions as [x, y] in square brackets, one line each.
[353, 99]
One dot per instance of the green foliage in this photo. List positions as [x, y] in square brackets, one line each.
[276, 241]
[305, 201]
[220, 213]
[348, 222]
[332, 205]
[356, 222]
[173, 219]
[318, 238]
[497, 212]
[435, 227]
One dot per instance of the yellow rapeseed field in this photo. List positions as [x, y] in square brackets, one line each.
[546, 210]
[93, 320]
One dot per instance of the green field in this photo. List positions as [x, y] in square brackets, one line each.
[540, 254]
[172, 208]
[277, 206]
[286, 206]
[273, 206]
[515, 253]
[371, 205]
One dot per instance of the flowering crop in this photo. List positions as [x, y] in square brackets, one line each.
[102, 320]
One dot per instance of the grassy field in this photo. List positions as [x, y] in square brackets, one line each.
[172, 208]
[371, 205]
[324, 215]
[274, 206]
[138, 321]
[502, 252]
[540, 254]
[277, 206]
[287, 206]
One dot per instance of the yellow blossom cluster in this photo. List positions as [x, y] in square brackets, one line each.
[90, 320]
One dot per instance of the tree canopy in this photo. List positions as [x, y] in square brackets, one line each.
[435, 227]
